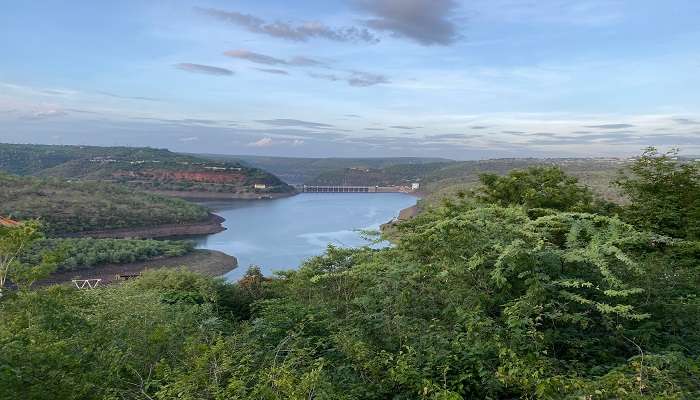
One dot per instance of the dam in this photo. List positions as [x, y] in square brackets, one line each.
[354, 189]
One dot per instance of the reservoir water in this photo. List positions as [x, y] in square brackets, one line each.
[279, 234]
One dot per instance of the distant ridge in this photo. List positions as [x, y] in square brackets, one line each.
[158, 170]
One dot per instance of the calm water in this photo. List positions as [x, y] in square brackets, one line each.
[280, 234]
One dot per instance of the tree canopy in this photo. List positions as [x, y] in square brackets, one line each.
[663, 194]
[478, 298]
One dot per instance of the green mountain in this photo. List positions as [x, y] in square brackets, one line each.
[74, 207]
[295, 170]
[143, 168]
[445, 176]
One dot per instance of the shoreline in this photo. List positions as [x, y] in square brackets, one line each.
[208, 196]
[205, 262]
[212, 225]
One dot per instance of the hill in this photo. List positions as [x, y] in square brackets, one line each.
[436, 178]
[77, 207]
[142, 168]
[295, 170]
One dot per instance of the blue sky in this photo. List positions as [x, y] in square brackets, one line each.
[459, 79]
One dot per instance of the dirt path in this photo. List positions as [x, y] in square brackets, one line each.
[206, 262]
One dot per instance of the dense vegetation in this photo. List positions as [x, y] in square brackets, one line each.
[71, 207]
[503, 294]
[141, 168]
[297, 170]
[663, 194]
[85, 253]
[444, 179]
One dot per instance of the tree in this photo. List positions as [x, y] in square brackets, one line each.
[14, 240]
[663, 194]
[536, 187]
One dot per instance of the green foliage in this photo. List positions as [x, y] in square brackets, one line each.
[136, 167]
[85, 253]
[14, 242]
[69, 207]
[476, 300]
[536, 187]
[663, 194]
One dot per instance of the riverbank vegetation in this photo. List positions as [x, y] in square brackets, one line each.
[527, 287]
[74, 207]
[84, 253]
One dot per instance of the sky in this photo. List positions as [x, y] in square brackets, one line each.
[462, 79]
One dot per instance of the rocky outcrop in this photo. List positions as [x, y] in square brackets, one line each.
[221, 177]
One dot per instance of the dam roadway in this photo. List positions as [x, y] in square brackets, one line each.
[353, 189]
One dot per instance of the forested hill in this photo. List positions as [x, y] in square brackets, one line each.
[144, 168]
[440, 176]
[294, 170]
[77, 207]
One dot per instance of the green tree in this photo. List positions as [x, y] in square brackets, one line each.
[14, 241]
[536, 187]
[663, 194]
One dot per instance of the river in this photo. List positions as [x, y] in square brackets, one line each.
[279, 234]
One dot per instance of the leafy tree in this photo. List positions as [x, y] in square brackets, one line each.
[14, 241]
[663, 194]
[536, 187]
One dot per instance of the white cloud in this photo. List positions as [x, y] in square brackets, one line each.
[264, 142]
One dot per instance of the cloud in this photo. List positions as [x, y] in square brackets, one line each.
[686, 121]
[267, 142]
[478, 127]
[51, 113]
[405, 127]
[354, 78]
[424, 21]
[189, 139]
[203, 69]
[306, 62]
[610, 126]
[512, 132]
[264, 142]
[258, 58]
[450, 136]
[117, 96]
[255, 57]
[294, 122]
[273, 71]
[300, 32]
[374, 129]
[352, 115]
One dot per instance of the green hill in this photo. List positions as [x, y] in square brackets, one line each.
[295, 170]
[143, 168]
[436, 178]
[74, 207]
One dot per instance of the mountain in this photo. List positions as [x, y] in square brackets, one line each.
[295, 170]
[440, 176]
[79, 207]
[158, 170]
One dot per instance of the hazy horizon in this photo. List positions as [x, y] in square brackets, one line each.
[355, 78]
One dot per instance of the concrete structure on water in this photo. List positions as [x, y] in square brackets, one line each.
[339, 189]
[353, 189]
